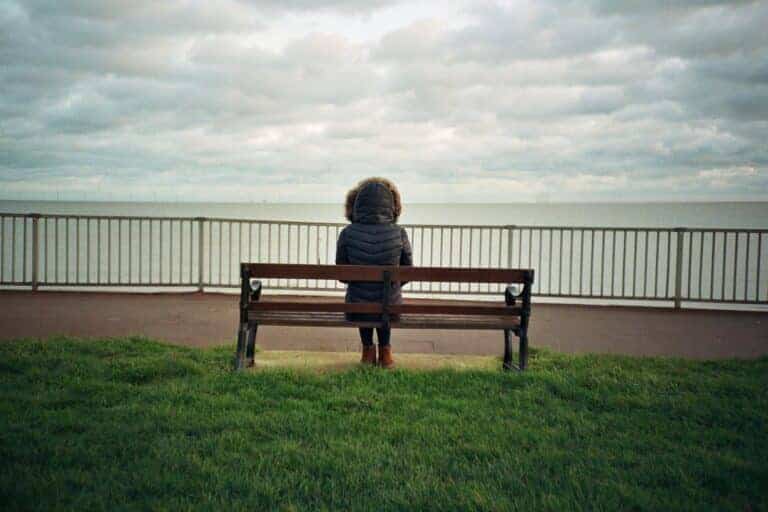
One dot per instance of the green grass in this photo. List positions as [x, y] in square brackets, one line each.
[135, 424]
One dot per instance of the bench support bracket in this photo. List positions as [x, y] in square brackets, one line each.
[250, 291]
[510, 298]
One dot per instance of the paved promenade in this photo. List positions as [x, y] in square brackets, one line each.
[202, 320]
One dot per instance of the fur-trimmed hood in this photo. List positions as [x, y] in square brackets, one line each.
[373, 201]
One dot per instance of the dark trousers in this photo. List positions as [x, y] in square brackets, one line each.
[366, 336]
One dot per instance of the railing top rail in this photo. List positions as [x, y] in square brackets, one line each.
[92, 217]
[639, 228]
[418, 226]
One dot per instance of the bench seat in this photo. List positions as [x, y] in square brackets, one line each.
[404, 321]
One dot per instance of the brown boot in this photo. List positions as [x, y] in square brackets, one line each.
[385, 357]
[369, 354]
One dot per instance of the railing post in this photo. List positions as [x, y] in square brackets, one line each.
[200, 221]
[35, 256]
[679, 267]
[510, 230]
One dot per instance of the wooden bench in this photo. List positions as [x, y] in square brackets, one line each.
[510, 316]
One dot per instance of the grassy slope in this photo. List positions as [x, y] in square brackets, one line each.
[96, 424]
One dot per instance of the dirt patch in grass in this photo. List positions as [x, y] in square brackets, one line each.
[340, 361]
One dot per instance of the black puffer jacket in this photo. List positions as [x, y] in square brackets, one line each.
[373, 238]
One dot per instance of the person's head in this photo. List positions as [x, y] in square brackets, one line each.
[373, 201]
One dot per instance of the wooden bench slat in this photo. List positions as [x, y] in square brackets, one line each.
[302, 271]
[432, 322]
[434, 309]
[376, 273]
[288, 320]
[254, 315]
[455, 309]
[403, 322]
[462, 275]
[338, 307]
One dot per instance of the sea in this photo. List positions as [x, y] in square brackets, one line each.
[725, 215]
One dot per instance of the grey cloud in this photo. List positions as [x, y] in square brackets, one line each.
[532, 29]
[655, 7]
[544, 94]
[716, 31]
[96, 23]
[351, 6]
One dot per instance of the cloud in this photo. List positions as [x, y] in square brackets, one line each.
[347, 6]
[458, 101]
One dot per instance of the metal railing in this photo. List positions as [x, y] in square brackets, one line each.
[646, 264]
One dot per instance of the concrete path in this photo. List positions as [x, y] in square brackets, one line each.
[202, 320]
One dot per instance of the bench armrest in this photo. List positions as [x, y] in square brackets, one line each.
[511, 295]
[255, 292]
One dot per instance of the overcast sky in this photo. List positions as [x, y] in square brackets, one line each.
[294, 100]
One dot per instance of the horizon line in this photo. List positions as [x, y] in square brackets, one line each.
[340, 203]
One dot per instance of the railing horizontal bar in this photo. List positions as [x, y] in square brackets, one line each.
[722, 230]
[601, 297]
[114, 284]
[427, 226]
[594, 228]
[340, 292]
[95, 217]
[727, 301]
[496, 294]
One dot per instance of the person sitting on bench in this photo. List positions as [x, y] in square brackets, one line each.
[373, 238]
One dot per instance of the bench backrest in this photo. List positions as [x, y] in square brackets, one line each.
[371, 273]
[386, 275]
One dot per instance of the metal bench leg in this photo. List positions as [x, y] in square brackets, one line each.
[250, 346]
[523, 350]
[240, 351]
[507, 350]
